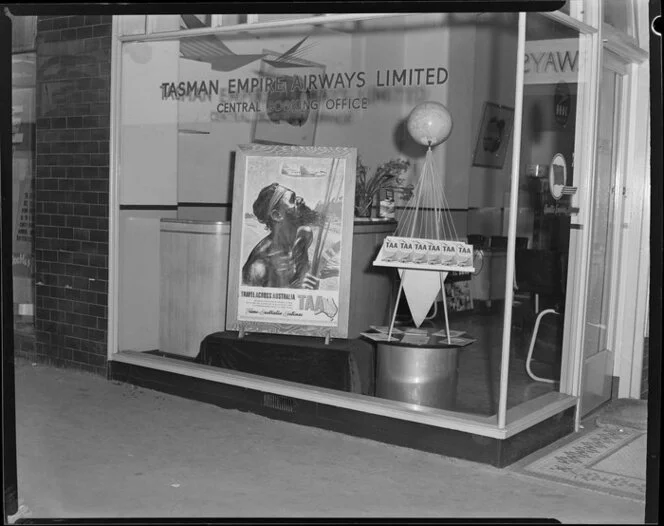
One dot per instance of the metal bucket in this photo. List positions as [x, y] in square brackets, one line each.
[425, 376]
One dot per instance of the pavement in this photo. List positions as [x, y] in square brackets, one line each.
[93, 448]
[625, 412]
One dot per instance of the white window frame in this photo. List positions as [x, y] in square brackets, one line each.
[505, 424]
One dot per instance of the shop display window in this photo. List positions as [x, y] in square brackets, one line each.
[548, 183]
[188, 104]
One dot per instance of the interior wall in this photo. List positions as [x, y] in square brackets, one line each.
[148, 132]
[460, 102]
[495, 74]
[542, 136]
[205, 141]
[495, 50]
[206, 149]
[182, 152]
[379, 132]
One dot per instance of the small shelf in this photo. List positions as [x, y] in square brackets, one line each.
[416, 266]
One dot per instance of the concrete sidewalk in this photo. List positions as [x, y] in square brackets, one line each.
[88, 447]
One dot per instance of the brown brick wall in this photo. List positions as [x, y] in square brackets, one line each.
[71, 190]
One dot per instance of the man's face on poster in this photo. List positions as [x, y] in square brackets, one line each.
[294, 210]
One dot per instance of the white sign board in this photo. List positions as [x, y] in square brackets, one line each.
[551, 61]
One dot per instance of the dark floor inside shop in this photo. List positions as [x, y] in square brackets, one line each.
[480, 362]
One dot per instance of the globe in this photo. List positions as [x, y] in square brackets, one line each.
[429, 123]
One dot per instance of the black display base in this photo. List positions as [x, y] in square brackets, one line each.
[345, 365]
[448, 442]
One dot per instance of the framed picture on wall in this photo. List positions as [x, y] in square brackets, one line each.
[288, 110]
[291, 240]
[494, 136]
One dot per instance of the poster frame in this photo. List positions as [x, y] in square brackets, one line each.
[235, 320]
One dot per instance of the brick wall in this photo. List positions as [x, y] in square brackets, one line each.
[71, 190]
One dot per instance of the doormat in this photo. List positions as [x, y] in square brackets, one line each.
[607, 459]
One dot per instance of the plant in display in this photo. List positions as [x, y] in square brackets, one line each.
[386, 175]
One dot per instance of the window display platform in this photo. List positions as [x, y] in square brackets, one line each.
[463, 379]
[346, 365]
[528, 428]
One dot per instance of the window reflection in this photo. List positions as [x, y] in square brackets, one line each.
[23, 104]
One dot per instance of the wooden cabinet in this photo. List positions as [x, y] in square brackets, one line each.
[194, 273]
[139, 279]
[370, 287]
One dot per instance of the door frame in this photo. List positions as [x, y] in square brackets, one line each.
[619, 65]
[630, 236]
[632, 292]
[603, 361]
[634, 153]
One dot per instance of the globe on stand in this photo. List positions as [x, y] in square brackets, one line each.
[427, 215]
[429, 123]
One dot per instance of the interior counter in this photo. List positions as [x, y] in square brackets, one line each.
[189, 272]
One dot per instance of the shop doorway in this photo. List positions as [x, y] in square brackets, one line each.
[608, 193]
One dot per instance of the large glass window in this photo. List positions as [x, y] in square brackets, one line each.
[186, 105]
[547, 184]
